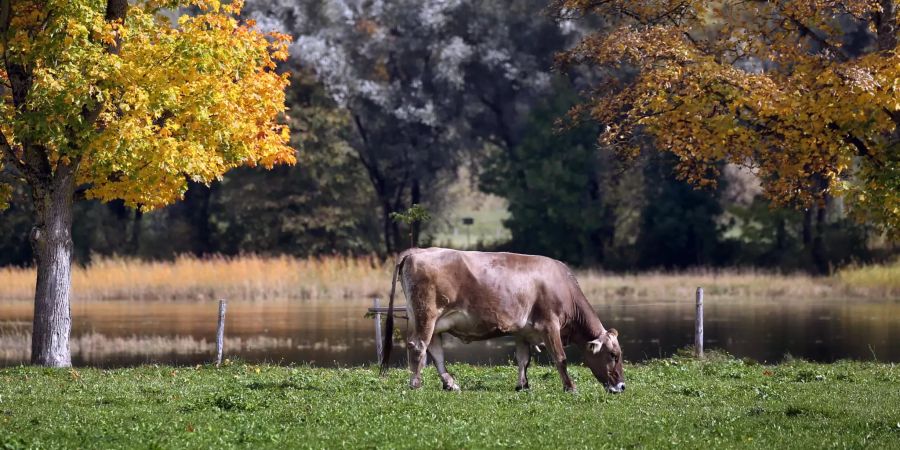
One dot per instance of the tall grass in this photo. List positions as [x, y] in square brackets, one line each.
[260, 278]
[245, 277]
[885, 278]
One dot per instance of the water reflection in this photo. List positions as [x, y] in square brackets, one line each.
[113, 334]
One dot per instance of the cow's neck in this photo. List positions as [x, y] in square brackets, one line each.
[585, 324]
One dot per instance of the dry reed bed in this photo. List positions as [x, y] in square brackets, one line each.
[261, 278]
[246, 277]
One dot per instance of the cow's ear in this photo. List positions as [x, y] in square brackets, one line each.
[595, 345]
[613, 332]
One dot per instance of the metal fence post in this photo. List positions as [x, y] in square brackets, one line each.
[220, 334]
[378, 337]
[698, 325]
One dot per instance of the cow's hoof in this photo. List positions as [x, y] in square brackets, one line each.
[415, 384]
[523, 387]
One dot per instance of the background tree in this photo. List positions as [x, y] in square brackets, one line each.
[563, 209]
[567, 197]
[678, 225]
[113, 101]
[803, 92]
[584, 205]
[422, 81]
[322, 205]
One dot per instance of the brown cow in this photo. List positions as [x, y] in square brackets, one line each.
[477, 295]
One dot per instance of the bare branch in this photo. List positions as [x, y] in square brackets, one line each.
[823, 41]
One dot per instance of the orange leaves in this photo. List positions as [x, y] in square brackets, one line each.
[761, 84]
[278, 47]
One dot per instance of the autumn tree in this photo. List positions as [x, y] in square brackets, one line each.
[112, 100]
[803, 92]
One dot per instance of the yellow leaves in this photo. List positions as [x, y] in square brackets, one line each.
[209, 5]
[191, 102]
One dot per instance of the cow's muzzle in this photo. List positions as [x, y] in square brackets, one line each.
[616, 388]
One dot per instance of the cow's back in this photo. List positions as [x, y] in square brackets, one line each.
[495, 292]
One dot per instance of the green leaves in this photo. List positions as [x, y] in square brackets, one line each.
[415, 213]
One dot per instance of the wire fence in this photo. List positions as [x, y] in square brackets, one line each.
[400, 312]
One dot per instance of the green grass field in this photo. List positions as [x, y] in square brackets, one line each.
[677, 402]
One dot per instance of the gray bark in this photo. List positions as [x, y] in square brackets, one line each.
[51, 240]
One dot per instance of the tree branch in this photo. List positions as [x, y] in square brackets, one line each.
[807, 31]
[894, 115]
[10, 155]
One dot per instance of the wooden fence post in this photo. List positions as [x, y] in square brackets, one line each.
[220, 334]
[698, 325]
[378, 337]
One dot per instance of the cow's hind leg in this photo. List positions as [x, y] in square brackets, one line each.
[416, 347]
[523, 358]
[422, 323]
[436, 350]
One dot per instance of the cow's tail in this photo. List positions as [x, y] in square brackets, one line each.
[389, 321]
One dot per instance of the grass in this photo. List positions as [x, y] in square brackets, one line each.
[679, 402]
[259, 278]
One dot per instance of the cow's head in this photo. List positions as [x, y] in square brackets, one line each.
[604, 358]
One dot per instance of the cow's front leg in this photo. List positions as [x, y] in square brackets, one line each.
[523, 358]
[436, 350]
[559, 357]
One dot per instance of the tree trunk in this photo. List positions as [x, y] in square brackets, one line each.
[396, 237]
[134, 243]
[807, 227]
[196, 203]
[781, 235]
[51, 240]
[416, 225]
[386, 223]
[820, 259]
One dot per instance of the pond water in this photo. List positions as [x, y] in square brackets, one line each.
[336, 333]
